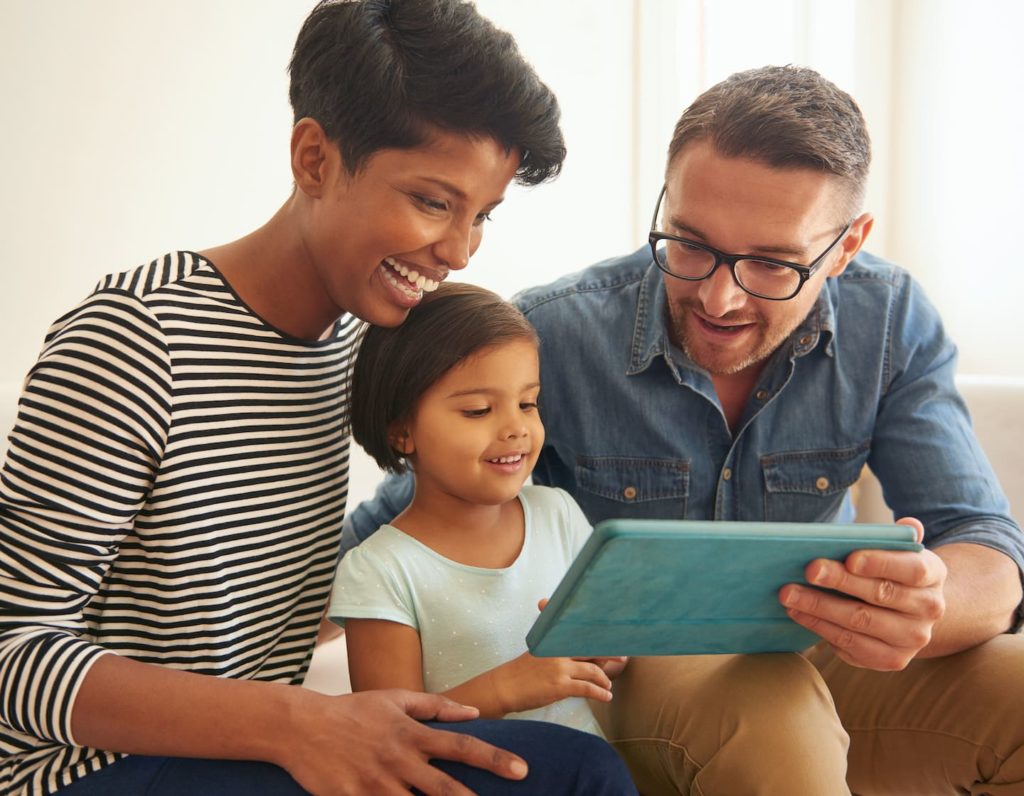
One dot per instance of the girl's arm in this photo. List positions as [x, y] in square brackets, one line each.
[383, 654]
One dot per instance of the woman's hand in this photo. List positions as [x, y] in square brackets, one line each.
[373, 742]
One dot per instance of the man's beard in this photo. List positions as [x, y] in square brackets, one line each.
[722, 363]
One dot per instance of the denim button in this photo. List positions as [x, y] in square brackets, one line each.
[629, 492]
[821, 483]
[726, 474]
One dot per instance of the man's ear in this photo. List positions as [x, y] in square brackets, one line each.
[400, 439]
[313, 157]
[852, 243]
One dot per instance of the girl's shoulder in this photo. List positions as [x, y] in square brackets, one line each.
[552, 504]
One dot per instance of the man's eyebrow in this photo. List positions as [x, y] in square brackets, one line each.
[787, 251]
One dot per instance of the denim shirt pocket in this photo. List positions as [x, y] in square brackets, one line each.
[624, 486]
[809, 486]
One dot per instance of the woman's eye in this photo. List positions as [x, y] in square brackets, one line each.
[481, 218]
[475, 412]
[430, 204]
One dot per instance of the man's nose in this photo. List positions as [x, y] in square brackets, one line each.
[719, 294]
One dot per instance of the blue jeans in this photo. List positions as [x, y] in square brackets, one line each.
[562, 761]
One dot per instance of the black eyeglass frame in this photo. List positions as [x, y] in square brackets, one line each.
[721, 258]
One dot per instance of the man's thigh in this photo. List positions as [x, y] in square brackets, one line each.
[942, 725]
[726, 724]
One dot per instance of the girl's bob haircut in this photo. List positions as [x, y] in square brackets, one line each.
[396, 365]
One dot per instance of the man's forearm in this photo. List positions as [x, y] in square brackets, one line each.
[983, 592]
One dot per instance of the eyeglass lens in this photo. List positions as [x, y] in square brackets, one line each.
[756, 276]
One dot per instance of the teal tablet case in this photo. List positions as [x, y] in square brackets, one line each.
[676, 587]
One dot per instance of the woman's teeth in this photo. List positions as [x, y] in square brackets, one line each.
[414, 278]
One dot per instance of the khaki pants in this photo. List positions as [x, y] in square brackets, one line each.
[810, 725]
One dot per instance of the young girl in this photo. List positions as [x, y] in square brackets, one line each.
[441, 599]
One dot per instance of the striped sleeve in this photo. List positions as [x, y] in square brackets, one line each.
[90, 431]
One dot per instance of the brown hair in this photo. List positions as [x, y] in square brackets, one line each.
[786, 117]
[396, 365]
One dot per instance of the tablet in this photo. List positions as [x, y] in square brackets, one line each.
[677, 587]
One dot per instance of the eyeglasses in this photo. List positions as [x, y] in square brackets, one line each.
[763, 277]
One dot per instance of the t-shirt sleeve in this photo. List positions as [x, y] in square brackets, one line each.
[91, 426]
[576, 522]
[369, 584]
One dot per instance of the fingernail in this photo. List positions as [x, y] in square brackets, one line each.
[518, 769]
[791, 598]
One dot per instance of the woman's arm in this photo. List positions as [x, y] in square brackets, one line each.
[360, 743]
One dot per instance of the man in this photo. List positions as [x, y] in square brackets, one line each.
[685, 381]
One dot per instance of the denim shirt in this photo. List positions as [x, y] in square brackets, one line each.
[635, 429]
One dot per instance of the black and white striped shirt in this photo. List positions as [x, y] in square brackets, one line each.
[173, 492]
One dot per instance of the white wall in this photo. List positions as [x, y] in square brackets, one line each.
[137, 126]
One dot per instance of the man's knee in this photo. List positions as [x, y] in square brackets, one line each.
[767, 721]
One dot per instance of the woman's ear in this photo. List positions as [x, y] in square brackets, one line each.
[312, 156]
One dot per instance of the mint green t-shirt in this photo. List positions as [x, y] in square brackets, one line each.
[470, 619]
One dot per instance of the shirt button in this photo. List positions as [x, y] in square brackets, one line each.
[726, 474]
[761, 394]
[805, 340]
[821, 483]
[629, 492]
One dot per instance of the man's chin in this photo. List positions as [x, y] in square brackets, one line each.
[724, 364]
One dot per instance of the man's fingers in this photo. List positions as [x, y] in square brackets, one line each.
[906, 582]
[920, 570]
[887, 626]
[916, 524]
[857, 649]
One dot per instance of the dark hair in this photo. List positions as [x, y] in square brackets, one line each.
[785, 116]
[386, 74]
[396, 365]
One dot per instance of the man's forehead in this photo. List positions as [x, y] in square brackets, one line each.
[742, 202]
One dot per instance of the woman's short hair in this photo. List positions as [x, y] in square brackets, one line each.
[396, 365]
[388, 74]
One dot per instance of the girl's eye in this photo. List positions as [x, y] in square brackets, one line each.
[528, 406]
[475, 412]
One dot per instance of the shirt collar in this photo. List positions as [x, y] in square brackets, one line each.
[650, 330]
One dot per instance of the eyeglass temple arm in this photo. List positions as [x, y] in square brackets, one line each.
[657, 207]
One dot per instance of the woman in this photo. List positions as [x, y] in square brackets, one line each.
[172, 497]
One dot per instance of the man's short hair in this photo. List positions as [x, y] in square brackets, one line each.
[786, 117]
[387, 74]
[396, 365]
